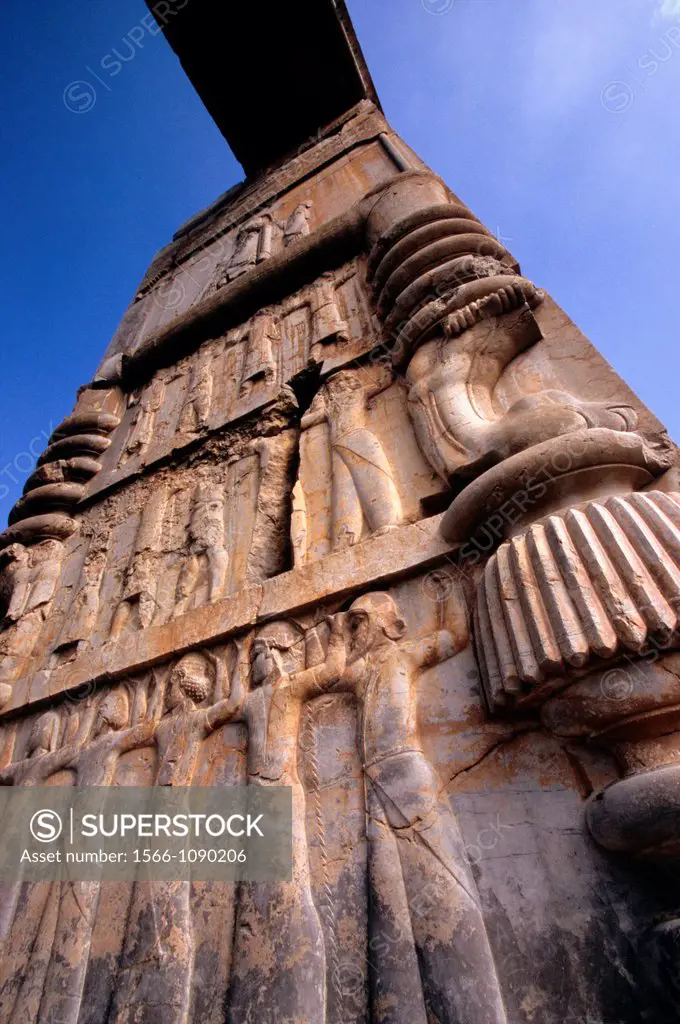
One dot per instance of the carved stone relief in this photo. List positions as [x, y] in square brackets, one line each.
[236, 532]
[361, 473]
[262, 343]
[137, 606]
[146, 404]
[461, 426]
[30, 577]
[187, 538]
[327, 323]
[302, 688]
[576, 589]
[253, 244]
[208, 561]
[297, 225]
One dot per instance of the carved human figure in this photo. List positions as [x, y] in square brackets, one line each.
[363, 487]
[260, 360]
[196, 410]
[34, 573]
[208, 559]
[157, 963]
[327, 322]
[297, 225]
[23, 975]
[83, 611]
[146, 404]
[137, 606]
[458, 423]
[16, 581]
[440, 965]
[118, 729]
[279, 963]
[251, 246]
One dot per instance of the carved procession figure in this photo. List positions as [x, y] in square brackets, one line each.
[328, 325]
[279, 964]
[363, 486]
[31, 576]
[157, 963]
[119, 728]
[138, 604]
[83, 611]
[51, 747]
[441, 966]
[146, 403]
[260, 361]
[297, 225]
[253, 244]
[207, 564]
[196, 410]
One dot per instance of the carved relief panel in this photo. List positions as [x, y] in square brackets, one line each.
[361, 473]
[327, 323]
[402, 788]
[173, 542]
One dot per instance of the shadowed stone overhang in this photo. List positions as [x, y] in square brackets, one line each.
[272, 75]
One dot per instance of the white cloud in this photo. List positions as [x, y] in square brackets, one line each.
[668, 9]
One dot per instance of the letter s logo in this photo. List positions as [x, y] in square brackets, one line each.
[45, 826]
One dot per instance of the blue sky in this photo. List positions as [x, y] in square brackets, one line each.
[555, 120]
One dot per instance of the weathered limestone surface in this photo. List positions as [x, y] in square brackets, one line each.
[352, 506]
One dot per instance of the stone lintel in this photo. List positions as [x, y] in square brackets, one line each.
[272, 76]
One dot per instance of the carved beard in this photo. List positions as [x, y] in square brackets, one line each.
[207, 531]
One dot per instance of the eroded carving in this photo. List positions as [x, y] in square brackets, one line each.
[253, 244]
[157, 963]
[146, 403]
[279, 957]
[137, 605]
[327, 322]
[297, 225]
[83, 611]
[457, 418]
[364, 494]
[196, 409]
[121, 725]
[32, 575]
[260, 361]
[446, 963]
[207, 565]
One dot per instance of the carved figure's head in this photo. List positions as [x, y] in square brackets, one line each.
[265, 662]
[373, 621]
[190, 681]
[113, 712]
[44, 735]
[207, 518]
[344, 383]
[277, 650]
[346, 390]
